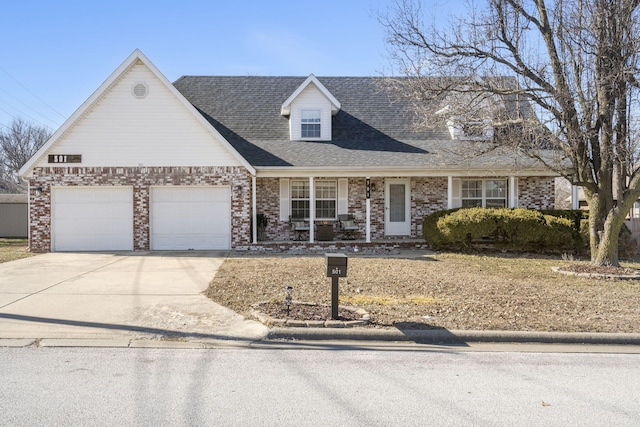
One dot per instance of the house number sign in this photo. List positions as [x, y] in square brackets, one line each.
[65, 158]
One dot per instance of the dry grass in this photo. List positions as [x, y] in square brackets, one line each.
[13, 249]
[454, 291]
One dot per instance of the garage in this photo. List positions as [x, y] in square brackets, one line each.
[190, 218]
[91, 219]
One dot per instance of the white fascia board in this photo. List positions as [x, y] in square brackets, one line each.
[297, 172]
[285, 110]
[135, 56]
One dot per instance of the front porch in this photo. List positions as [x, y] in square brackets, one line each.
[298, 210]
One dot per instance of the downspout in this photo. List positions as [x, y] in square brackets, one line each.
[29, 214]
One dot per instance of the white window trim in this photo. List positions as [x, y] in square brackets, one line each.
[292, 199]
[316, 198]
[285, 197]
[484, 196]
[333, 199]
[316, 121]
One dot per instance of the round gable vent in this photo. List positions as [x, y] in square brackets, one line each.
[140, 90]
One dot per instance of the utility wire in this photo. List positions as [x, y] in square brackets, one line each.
[31, 92]
[32, 109]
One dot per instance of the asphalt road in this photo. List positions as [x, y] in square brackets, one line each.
[328, 387]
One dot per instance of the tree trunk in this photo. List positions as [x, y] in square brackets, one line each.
[607, 249]
[605, 223]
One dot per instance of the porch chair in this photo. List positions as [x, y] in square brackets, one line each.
[347, 226]
[299, 225]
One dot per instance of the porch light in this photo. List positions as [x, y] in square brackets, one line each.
[38, 191]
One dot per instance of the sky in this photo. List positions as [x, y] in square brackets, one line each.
[56, 53]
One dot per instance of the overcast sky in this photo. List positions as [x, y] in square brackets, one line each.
[56, 53]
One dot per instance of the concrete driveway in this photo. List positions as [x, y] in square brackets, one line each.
[125, 296]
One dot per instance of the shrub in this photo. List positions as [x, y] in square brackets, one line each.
[510, 229]
[430, 227]
[575, 215]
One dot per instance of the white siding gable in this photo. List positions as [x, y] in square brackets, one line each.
[119, 129]
[311, 98]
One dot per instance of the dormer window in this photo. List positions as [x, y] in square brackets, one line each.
[310, 124]
[470, 130]
[309, 109]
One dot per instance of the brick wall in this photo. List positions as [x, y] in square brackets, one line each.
[429, 195]
[237, 178]
[536, 192]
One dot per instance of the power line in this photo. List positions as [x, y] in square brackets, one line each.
[24, 114]
[31, 92]
[32, 109]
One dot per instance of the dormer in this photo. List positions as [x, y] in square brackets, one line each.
[310, 108]
[463, 129]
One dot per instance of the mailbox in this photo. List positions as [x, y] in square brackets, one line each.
[336, 265]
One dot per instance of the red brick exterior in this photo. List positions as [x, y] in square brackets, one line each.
[428, 194]
[141, 179]
[536, 193]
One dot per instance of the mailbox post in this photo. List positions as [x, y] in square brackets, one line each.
[336, 268]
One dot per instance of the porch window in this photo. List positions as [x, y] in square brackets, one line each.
[486, 193]
[300, 199]
[326, 195]
[326, 199]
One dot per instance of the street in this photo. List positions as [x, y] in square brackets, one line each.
[329, 387]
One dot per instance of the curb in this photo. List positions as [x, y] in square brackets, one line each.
[443, 336]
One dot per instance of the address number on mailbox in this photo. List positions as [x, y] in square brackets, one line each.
[336, 265]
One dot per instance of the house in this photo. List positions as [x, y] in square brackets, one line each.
[144, 164]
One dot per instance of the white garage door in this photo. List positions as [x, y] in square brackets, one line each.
[190, 218]
[92, 219]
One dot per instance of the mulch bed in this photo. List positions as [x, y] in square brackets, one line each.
[301, 311]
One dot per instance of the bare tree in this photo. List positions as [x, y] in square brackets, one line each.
[18, 143]
[574, 61]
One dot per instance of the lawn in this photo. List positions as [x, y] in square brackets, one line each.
[454, 291]
[12, 249]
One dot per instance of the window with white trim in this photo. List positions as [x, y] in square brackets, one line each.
[310, 124]
[326, 199]
[299, 199]
[486, 193]
[326, 195]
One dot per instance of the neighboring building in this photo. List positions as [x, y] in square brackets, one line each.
[145, 164]
[14, 216]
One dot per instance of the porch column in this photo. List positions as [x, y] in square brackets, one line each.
[368, 211]
[449, 192]
[312, 210]
[512, 192]
[254, 215]
[575, 198]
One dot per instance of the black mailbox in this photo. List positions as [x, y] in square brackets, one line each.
[336, 265]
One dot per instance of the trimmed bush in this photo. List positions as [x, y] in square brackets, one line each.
[575, 215]
[504, 229]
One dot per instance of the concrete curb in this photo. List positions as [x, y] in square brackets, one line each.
[443, 336]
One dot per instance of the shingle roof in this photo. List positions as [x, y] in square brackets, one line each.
[372, 129]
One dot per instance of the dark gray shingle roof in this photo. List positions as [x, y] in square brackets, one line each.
[372, 129]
